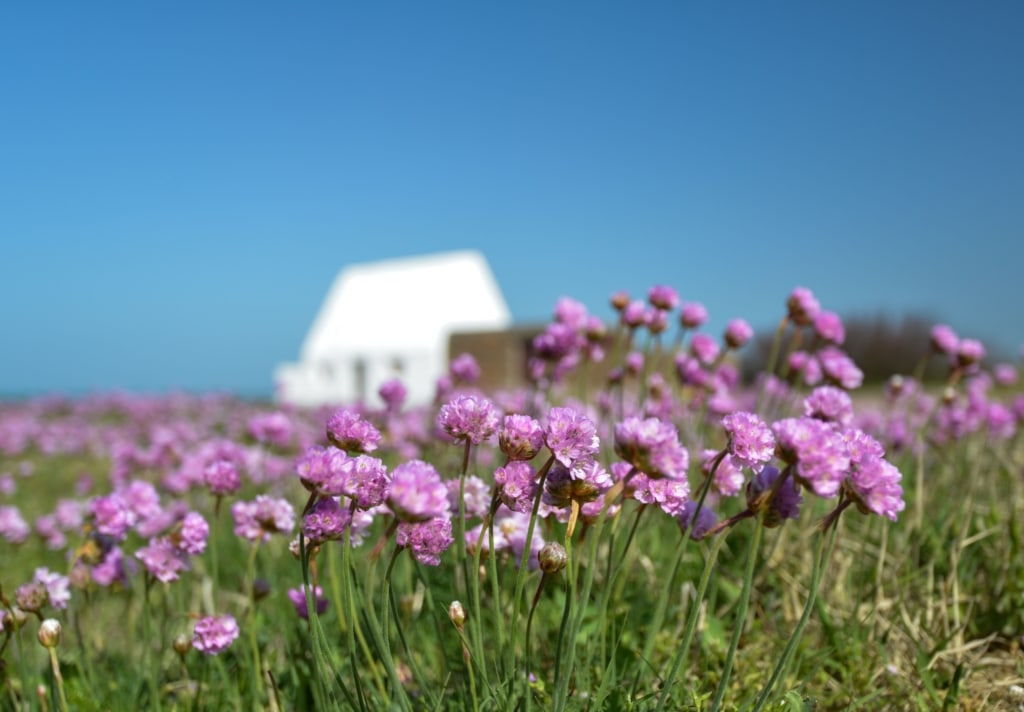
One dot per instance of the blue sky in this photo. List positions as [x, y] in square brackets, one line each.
[180, 182]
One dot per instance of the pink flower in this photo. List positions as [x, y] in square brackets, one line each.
[214, 634]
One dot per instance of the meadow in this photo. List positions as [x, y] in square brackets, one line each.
[636, 528]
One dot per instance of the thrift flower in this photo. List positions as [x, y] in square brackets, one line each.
[469, 418]
[417, 493]
[830, 404]
[222, 478]
[214, 634]
[262, 517]
[520, 437]
[663, 297]
[737, 333]
[750, 441]
[517, 485]
[325, 521]
[298, 599]
[348, 431]
[817, 450]
[570, 435]
[692, 315]
[802, 306]
[162, 559]
[426, 540]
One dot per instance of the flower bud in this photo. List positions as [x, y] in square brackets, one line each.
[49, 633]
[457, 613]
[260, 589]
[182, 644]
[553, 558]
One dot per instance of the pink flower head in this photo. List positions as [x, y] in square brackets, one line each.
[737, 333]
[426, 540]
[692, 315]
[816, 449]
[417, 492]
[271, 429]
[750, 441]
[570, 435]
[728, 479]
[704, 348]
[298, 599]
[839, 369]
[670, 495]
[321, 469]
[393, 393]
[651, 446]
[222, 477]
[214, 634]
[663, 297]
[58, 587]
[571, 313]
[162, 559]
[469, 418]
[829, 327]
[520, 437]
[13, 526]
[1005, 374]
[192, 536]
[802, 306]
[970, 352]
[112, 515]
[262, 517]
[348, 431]
[944, 340]
[831, 404]
[325, 521]
[634, 314]
[364, 480]
[873, 482]
[517, 485]
[464, 369]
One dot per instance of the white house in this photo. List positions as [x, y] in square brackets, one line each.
[388, 319]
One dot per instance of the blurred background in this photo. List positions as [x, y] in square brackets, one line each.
[180, 185]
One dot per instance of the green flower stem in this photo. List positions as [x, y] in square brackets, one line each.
[563, 670]
[691, 621]
[662, 605]
[253, 642]
[58, 679]
[149, 638]
[525, 559]
[821, 555]
[741, 615]
[353, 629]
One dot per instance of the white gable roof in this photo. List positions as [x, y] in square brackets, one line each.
[402, 304]
[392, 318]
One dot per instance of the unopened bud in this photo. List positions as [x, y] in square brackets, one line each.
[182, 644]
[457, 613]
[49, 633]
[619, 301]
[553, 558]
[260, 589]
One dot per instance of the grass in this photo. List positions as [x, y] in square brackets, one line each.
[923, 613]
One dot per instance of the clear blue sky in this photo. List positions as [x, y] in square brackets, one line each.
[180, 182]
